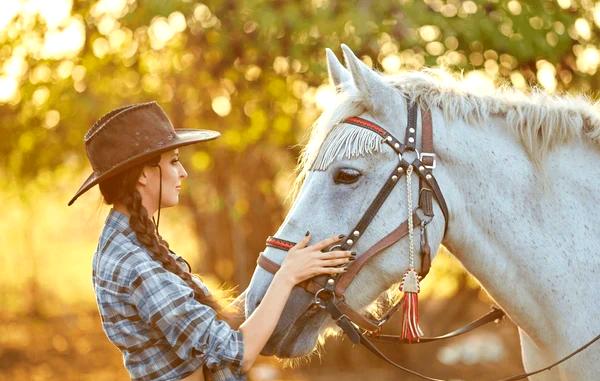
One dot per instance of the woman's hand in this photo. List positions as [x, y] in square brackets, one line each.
[303, 262]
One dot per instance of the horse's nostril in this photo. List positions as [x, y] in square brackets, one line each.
[257, 303]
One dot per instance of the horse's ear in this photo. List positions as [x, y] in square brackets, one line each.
[337, 72]
[367, 81]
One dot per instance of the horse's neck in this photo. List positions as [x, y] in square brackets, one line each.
[527, 237]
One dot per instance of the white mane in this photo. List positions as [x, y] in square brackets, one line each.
[540, 120]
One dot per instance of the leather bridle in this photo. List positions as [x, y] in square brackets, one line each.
[424, 162]
[329, 295]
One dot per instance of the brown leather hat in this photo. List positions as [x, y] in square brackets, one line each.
[130, 135]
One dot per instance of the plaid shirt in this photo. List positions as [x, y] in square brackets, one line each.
[151, 315]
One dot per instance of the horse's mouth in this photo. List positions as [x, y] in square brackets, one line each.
[299, 338]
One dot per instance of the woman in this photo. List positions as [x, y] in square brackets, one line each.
[161, 317]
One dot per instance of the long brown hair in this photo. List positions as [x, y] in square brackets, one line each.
[122, 189]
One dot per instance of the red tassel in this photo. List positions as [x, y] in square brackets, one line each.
[411, 331]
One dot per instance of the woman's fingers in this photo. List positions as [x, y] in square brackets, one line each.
[326, 242]
[335, 254]
[332, 270]
[334, 262]
[303, 242]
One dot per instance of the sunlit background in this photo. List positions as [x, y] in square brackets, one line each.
[255, 71]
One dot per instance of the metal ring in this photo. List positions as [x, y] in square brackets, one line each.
[318, 300]
[334, 247]
[415, 150]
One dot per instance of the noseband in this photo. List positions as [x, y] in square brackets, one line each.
[330, 294]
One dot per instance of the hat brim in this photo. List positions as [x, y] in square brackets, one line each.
[184, 137]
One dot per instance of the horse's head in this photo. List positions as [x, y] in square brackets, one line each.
[342, 170]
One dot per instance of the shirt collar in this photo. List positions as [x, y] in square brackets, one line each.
[118, 221]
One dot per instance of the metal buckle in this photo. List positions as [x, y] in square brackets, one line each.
[427, 154]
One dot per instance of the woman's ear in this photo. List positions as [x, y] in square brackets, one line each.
[143, 179]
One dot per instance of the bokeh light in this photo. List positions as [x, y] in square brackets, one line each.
[221, 105]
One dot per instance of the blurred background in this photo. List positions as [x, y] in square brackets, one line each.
[255, 71]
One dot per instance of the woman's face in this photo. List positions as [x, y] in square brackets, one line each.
[173, 174]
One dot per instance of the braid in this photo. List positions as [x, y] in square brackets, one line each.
[123, 189]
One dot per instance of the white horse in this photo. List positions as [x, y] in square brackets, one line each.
[521, 177]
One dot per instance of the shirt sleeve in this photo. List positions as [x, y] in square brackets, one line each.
[165, 301]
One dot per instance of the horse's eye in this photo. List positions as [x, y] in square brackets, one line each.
[346, 176]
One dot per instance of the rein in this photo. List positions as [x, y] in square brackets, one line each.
[330, 294]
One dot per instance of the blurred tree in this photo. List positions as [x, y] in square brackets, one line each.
[253, 70]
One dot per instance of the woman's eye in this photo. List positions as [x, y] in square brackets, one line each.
[346, 176]
[174, 161]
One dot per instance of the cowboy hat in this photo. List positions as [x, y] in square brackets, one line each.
[128, 136]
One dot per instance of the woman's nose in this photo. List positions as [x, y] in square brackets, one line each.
[183, 173]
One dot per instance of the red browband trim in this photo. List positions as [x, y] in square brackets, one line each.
[357, 121]
[279, 243]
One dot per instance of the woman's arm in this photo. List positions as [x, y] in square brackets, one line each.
[302, 262]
